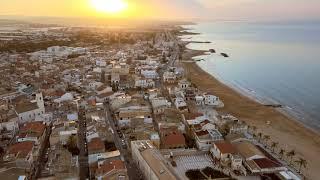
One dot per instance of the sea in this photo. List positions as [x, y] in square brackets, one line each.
[272, 62]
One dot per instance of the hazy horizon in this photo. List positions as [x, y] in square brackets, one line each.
[253, 10]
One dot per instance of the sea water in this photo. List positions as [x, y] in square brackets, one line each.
[276, 63]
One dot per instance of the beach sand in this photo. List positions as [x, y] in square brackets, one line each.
[290, 134]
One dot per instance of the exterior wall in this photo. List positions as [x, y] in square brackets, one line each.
[114, 175]
[24, 163]
[236, 163]
[10, 125]
[34, 139]
[144, 83]
[30, 115]
[215, 152]
[9, 96]
[203, 145]
[142, 164]
[211, 100]
[124, 122]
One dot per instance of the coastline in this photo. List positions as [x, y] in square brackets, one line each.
[285, 129]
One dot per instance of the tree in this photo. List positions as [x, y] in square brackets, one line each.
[266, 138]
[259, 136]
[72, 145]
[274, 145]
[302, 163]
[254, 129]
[281, 153]
[291, 154]
[254, 136]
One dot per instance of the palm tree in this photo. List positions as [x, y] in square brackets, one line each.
[302, 163]
[259, 136]
[254, 136]
[254, 129]
[274, 145]
[281, 153]
[266, 138]
[290, 155]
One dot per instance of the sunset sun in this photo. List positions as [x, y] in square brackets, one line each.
[109, 6]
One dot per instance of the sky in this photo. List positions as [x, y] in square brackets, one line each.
[172, 9]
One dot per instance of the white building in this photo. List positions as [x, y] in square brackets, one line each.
[180, 103]
[149, 74]
[150, 161]
[169, 77]
[184, 84]
[159, 105]
[205, 138]
[31, 111]
[144, 83]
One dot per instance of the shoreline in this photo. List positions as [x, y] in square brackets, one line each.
[285, 129]
[263, 101]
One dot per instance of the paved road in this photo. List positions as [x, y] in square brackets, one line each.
[132, 169]
[83, 156]
[39, 164]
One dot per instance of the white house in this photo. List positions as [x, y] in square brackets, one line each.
[9, 125]
[199, 100]
[207, 99]
[211, 100]
[184, 84]
[169, 77]
[159, 105]
[222, 150]
[128, 114]
[144, 83]
[205, 138]
[149, 74]
[180, 103]
[115, 78]
[93, 85]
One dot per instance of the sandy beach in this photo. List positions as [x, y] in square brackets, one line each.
[290, 134]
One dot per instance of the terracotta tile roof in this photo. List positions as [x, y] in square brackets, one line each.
[265, 163]
[32, 129]
[109, 166]
[225, 147]
[248, 150]
[174, 138]
[21, 149]
[196, 126]
[205, 122]
[202, 133]
[96, 144]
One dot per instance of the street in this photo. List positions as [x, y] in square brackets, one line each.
[133, 171]
[83, 155]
